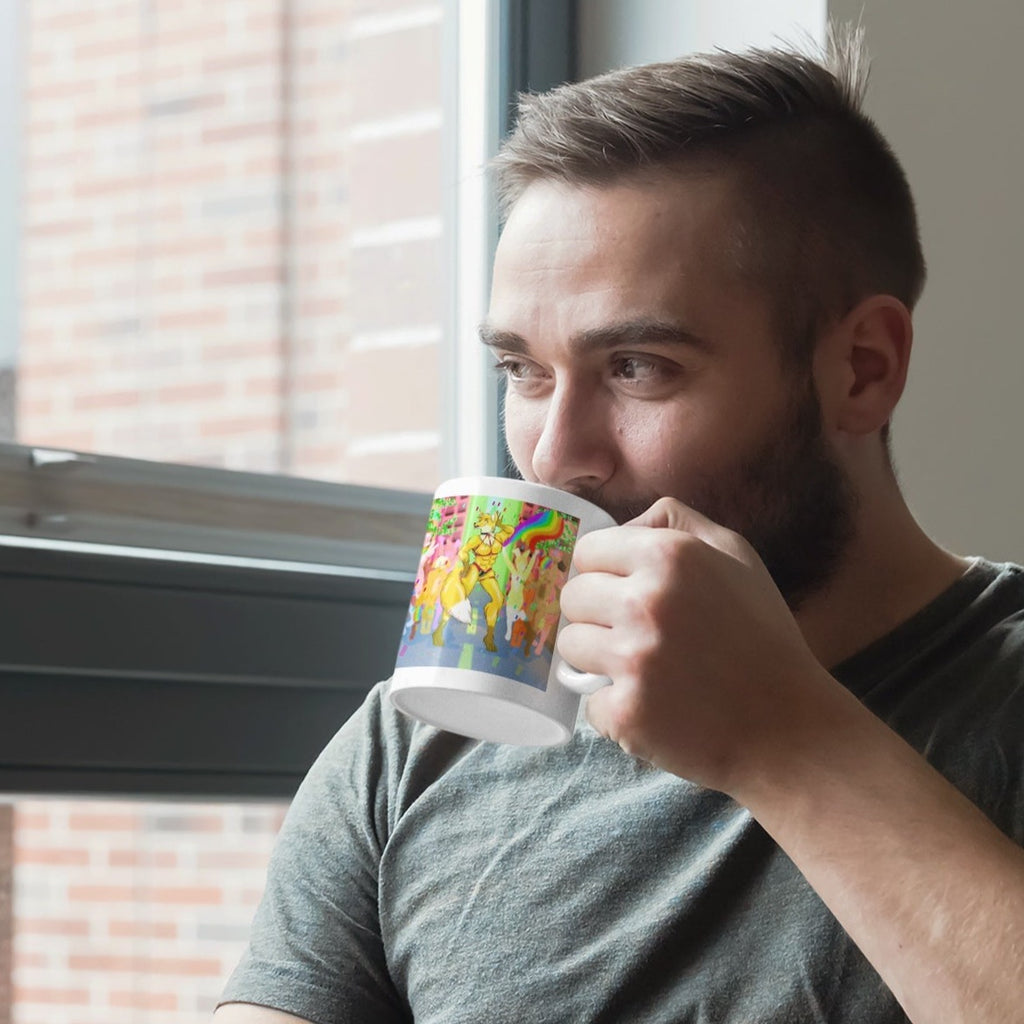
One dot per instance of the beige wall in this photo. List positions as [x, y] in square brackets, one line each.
[945, 90]
[614, 33]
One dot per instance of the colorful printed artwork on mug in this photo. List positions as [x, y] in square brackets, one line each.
[486, 594]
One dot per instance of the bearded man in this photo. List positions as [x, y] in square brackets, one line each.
[802, 797]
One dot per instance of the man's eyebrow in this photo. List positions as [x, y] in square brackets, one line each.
[507, 341]
[639, 331]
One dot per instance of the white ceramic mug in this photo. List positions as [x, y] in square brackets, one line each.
[477, 655]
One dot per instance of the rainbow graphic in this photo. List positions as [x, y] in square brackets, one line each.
[547, 524]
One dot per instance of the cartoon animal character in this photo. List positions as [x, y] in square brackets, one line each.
[521, 565]
[424, 603]
[546, 610]
[543, 617]
[519, 628]
[475, 564]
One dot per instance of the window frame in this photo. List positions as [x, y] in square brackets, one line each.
[193, 632]
[10, 200]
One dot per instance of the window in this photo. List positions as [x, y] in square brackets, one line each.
[251, 252]
[225, 259]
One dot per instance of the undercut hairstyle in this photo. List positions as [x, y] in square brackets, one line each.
[824, 214]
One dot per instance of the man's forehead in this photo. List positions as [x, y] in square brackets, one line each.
[655, 217]
[643, 260]
[655, 192]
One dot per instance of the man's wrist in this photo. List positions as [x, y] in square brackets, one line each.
[782, 766]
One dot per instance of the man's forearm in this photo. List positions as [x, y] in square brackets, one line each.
[929, 889]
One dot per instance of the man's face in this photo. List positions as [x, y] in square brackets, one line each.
[640, 364]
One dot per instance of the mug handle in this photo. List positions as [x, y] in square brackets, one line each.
[577, 681]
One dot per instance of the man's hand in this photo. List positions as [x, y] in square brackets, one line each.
[712, 680]
[709, 666]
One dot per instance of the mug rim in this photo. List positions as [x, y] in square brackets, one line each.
[524, 490]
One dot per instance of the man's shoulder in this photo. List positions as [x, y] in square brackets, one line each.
[992, 609]
[380, 752]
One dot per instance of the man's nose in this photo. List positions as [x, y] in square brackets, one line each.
[575, 446]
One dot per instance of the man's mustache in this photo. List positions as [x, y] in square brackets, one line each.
[622, 510]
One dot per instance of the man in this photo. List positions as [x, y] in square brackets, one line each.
[701, 303]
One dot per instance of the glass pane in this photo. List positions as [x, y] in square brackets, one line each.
[231, 234]
[126, 912]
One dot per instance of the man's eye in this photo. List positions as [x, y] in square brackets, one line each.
[637, 368]
[513, 369]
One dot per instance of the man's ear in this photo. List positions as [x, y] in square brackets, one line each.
[861, 364]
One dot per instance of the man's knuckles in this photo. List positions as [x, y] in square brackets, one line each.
[619, 716]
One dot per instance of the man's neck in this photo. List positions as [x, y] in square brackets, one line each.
[891, 570]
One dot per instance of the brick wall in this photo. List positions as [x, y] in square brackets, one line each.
[232, 256]
[232, 234]
[6, 908]
[367, 230]
[128, 913]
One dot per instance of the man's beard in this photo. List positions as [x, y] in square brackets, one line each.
[788, 498]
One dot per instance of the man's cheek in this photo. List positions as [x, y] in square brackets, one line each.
[519, 441]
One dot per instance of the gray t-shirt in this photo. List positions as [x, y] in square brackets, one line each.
[423, 876]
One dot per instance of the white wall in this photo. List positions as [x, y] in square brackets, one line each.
[946, 91]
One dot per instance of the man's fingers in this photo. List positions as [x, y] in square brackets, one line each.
[591, 598]
[671, 513]
[620, 550]
[617, 550]
[585, 646]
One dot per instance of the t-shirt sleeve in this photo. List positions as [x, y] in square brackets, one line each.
[315, 948]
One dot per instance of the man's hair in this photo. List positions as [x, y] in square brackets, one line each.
[825, 216]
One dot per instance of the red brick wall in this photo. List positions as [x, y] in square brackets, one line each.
[6, 908]
[132, 912]
[233, 218]
[231, 255]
